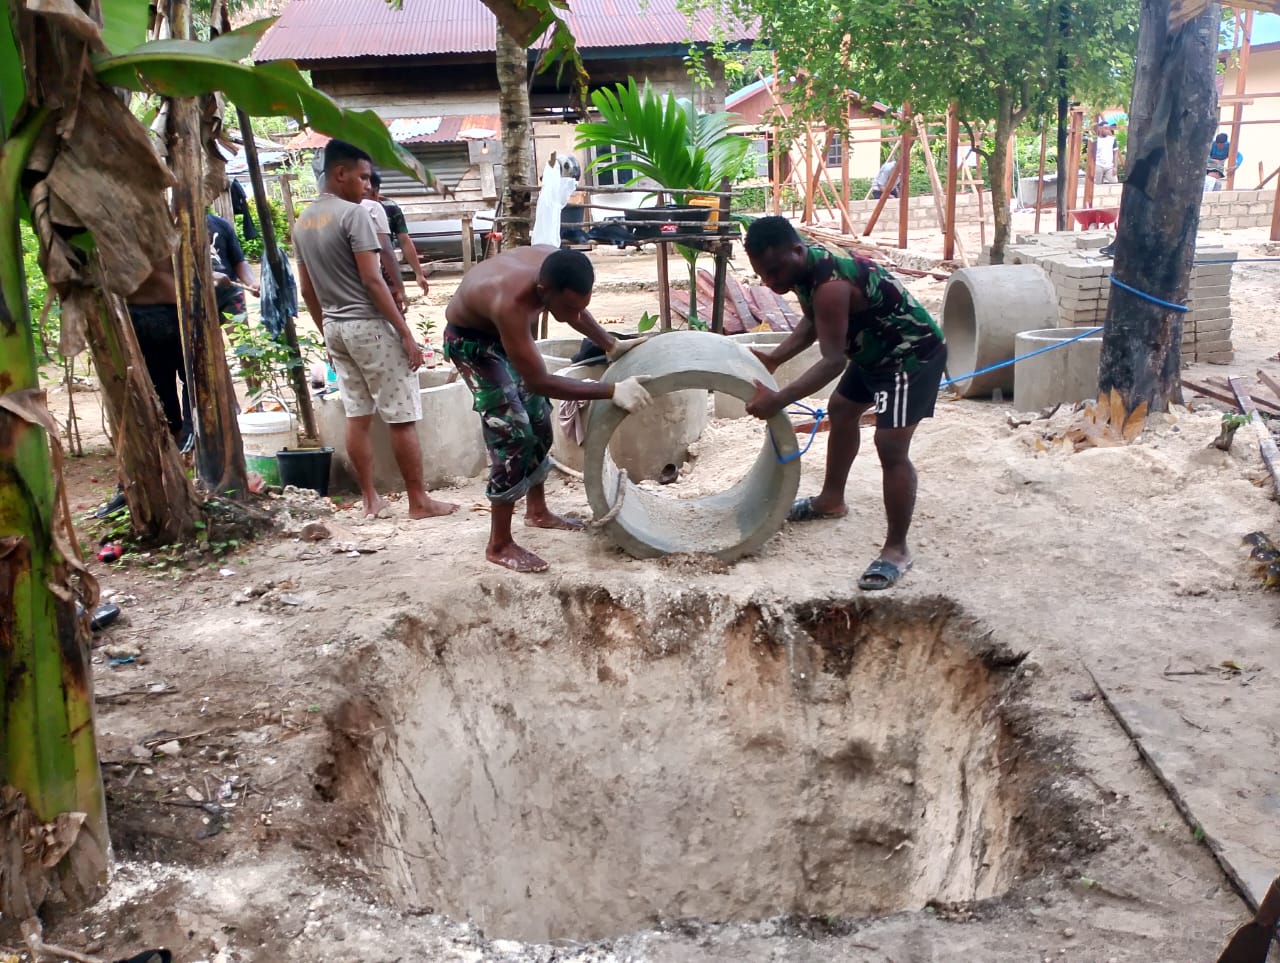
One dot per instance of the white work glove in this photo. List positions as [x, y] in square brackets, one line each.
[621, 347]
[630, 394]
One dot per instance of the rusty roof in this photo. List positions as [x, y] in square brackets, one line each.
[420, 130]
[311, 30]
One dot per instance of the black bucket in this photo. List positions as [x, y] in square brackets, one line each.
[305, 468]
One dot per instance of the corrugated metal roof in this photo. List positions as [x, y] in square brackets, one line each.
[339, 29]
[420, 130]
[405, 130]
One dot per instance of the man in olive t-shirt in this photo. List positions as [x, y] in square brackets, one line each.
[369, 342]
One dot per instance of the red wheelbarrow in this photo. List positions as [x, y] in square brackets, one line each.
[1091, 217]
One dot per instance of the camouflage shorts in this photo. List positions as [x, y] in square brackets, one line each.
[516, 422]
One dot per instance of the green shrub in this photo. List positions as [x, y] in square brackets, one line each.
[253, 248]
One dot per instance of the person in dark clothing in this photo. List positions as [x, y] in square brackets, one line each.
[892, 353]
[230, 269]
[240, 208]
[400, 232]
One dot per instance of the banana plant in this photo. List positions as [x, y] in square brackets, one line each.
[665, 139]
[80, 166]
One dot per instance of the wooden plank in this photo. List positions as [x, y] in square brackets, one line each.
[1270, 382]
[722, 266]
[789, 317]
[741, 310]
[949, 234]
[766, 309]
[1269, 407]
[1266, 442]
[904, 184]
[953, 153]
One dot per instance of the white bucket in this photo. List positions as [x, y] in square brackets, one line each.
[264, 433]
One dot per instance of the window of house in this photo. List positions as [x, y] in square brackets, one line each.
[835, 150]
[613, 178]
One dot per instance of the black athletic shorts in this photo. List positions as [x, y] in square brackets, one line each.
[900, 399]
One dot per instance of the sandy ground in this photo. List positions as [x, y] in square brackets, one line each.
[1121, 565]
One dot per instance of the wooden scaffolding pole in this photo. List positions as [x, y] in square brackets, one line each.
[1044, 146]
[953, 161]
[775, 165]
[949, 238]
[1090, 168]
[904, 182]
[1237, 109]
[1073, 157]
[846, 222]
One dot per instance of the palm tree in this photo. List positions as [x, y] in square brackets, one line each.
[666, 140]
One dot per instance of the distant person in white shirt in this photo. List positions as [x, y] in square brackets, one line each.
[387, 254]
[882, 180]
[1213, 180]
[1104, 163]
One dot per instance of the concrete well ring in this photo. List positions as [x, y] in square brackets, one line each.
[728, 524]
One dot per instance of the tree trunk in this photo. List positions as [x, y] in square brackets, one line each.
[1171, 121]
[219, 451]
[1064, 109]
[274, 264]
[517, 142]
[997, 168]
[162, 504]
[48, 760]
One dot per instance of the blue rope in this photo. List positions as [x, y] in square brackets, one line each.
[818, 415]
[1241, 260]
[1147, 297]
[1023, 357]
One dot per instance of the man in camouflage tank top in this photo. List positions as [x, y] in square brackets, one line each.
[892, 353]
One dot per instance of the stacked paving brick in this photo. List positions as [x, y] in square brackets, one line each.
[1081, 280]
[1219, 211]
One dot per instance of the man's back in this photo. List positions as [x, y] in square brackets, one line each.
[327, 237]
[494, 285]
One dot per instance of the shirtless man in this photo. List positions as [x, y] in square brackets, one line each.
[490, 338]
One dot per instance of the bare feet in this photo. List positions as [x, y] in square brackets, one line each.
[514, 557]
[432, 508]
[377, 508]
[553, 521]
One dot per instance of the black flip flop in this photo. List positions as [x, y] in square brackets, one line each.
[882, 574]
[803, 510]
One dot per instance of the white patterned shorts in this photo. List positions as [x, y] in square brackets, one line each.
[373, 373]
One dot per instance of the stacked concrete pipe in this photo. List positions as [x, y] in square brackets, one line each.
[1062, 376]
[983, 311]
[729, 525]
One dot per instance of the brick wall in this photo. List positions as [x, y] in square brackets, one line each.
[1225, 210]
[1081, 282]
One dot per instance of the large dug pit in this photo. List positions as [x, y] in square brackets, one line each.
[580, 766]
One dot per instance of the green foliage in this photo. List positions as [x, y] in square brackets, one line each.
[663, 138]
[188, 68]
[647, 322]
[37, 291]
[266, 361]
[124, 24]
[253, 247]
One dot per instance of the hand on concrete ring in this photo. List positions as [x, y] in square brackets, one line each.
[630, 394]
[765, 403]
[412, 351]
[621, 347]
[766, 359]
